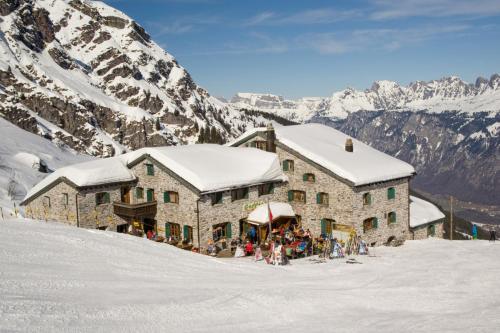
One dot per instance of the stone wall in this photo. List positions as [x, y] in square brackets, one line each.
[346, 202]
[421, 232]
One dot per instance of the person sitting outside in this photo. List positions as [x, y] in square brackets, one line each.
[249, 249]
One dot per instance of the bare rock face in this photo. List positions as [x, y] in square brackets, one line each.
[8, 6]
[44, 25]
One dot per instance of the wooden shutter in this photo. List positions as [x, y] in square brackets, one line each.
[185, 232]
[285, 165]
[318, 198]
[304, 177]
[150, 195]
[375, 223]
[323, 226]
[106, 197]
[228, 230]
[391, 193]
[167, 230]
[290, 195]
[166, 196]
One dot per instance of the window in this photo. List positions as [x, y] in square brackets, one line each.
[297, 196]
[391, 217]
[367, 199]
[369, 224]
[170, 196]
[172, 230]
[101, 198]
[150, 170]
[431, 230]
[288, 165]
[46, 202]
[326, 226]
[65, 199]
[139, 193]
[221, 231]
[322, 198]
[216, 198]
[150, 195]
[266, 189]
[309, 177]
[240, 193]
[262, 145]
[391, 193]
[188, 233]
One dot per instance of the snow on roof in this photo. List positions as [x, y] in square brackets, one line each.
[207, 167]
[97, 172]
[211, 167]
[278, 209]
[423, 212]
[326, 147]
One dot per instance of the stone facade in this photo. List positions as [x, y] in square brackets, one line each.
[345, 202]
[425, 231]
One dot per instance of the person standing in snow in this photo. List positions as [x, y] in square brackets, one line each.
[474, 231]
[493, 236]
[253, 234]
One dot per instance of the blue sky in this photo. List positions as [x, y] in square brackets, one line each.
[312, 48]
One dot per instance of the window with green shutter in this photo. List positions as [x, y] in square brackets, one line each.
[323, 226]
[102, 198]
[216, 198]
[185, 232]
[431, 230]
[391, 217]
[297, 196]
[228, 230]
[167, 230]
[370, 223]
[166, 197]
[309, 177]
[150, 170]
[240, 193]
[222, 230]
[139, 193]
[375, 223]
[288, 165]
[322, 198]
[391, 193]
[266, 189]
[290, 195]
[285, 165]
[150, 194]
[367, 199]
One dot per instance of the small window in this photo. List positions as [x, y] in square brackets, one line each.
[172, 230]
[296, 196]
[431, 230]
[309, 177]
[150, 169]
[46, 202]
[288, 165]
[322, 198]
[391, 217]
[391, 193]
[150, 193]
[326, 226]
[102, 198]
[239, 194]
[369, 224]
[216, 198]
[367, 199]
[262, 145]
[139, 193]
[266, 189]
[187, 232]
[65, 199]
[170, 197]
[221, 231]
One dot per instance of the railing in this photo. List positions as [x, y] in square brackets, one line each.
[144, 209]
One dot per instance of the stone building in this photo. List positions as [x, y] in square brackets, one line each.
[339, 183]
[426, 220]
[193, 193]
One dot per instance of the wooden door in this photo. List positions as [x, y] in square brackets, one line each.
[126, 194]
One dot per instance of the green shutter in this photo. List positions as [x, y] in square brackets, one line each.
[290, 195]
[150, 169]
[106, 197]
[228, 230]
[304, 177]
[318, 198]
[323, 226]
[369, 197]
[167, 230]
[166, 196]
[391, 193]
[253, 144]
[285, 166]
[186, 232]
[375, 223]
[150, 195]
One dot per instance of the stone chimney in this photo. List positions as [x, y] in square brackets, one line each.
[271, 138]
[349, 147]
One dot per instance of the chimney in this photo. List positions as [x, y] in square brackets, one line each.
[349, 147]
[271, 138]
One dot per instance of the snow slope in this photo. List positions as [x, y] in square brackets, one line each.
[20, 156]
[57, 278]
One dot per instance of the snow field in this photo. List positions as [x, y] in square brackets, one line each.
[58, 278]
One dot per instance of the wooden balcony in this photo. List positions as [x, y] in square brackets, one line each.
[144, 209]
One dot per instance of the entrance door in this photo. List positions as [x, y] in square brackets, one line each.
[126, 194]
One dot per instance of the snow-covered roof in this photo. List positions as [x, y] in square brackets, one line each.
[326, 146]
[423, 212]
[260, 214]
[211, 167]
[207, 167]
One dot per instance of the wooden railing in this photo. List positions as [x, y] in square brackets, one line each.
[144, 209]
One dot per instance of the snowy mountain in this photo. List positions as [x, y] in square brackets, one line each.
[448, 129]
[84, 74]
[446, 94]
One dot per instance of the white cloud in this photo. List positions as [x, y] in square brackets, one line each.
[311, 16]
